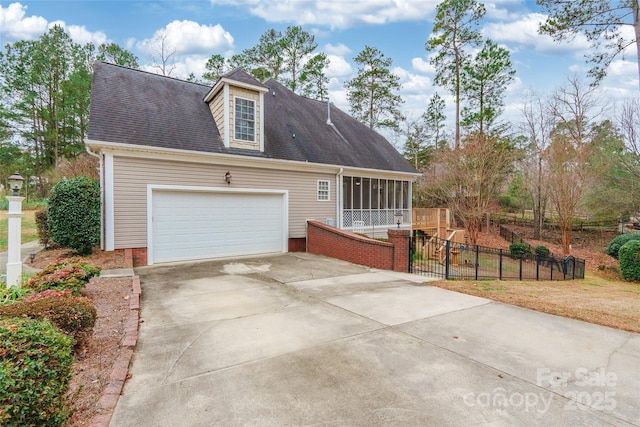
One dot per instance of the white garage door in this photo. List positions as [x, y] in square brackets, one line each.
[196, 225]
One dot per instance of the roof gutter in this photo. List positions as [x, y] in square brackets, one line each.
[134, 150]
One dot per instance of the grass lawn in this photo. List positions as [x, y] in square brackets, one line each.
[29, 229]
[595, 299]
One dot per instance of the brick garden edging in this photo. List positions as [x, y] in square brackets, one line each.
[120, 370]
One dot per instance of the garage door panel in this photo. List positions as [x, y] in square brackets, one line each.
[191, 225]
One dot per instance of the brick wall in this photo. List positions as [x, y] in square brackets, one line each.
[297, 244]
[326, 240]
[139, 257]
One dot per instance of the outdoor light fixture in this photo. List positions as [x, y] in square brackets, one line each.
[15, 183]
[398, 216]
[227, 177]
[32, 257]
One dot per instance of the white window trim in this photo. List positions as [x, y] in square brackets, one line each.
[328, 190]
[255, 121]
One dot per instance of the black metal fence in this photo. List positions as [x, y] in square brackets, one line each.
[450, 260]
[510, 236]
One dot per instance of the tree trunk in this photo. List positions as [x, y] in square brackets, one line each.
[537, 208]
[473, 228]
[636, 28]
[566, 227]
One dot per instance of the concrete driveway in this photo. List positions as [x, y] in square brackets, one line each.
[298, 339]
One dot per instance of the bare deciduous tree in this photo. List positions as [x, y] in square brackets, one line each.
[162, 53]
[536, 126]
[629, 122]
[574, 107]
[470, 179]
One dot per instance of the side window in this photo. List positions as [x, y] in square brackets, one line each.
[323, 190]
[245, 120]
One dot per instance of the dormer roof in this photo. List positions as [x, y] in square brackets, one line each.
[236, 77]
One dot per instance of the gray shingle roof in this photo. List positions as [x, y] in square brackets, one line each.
[240, 75]
[135, 107]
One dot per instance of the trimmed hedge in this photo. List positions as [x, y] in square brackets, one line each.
[73, 315]
[542, 251]
[519, 249]
[618, 242]
[35, 368]
[73, 214]
[43, 228]
[63, 274]
[629, 257]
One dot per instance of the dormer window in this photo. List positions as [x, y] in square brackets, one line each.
[245, 119]
[236, 102]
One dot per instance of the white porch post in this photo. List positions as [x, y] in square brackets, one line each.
[14, 261]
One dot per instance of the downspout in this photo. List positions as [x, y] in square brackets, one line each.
[91, 153]
[339, 198]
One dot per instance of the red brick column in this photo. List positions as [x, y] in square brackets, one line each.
[399, 238]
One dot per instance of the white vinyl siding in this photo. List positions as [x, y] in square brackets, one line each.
[133, 174]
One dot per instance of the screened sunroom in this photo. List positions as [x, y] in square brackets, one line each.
[370, 204]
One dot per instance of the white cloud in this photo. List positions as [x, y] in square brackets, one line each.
[422, 66]
[621, 81]
[621, 67]
[130, 43]
[412, 83]
[15, 26]
[503, 10]
[189, 37]
[335, 14]
[524, 32]
[338, 67]
[81, 35]
[627, 33]
[339, 98]
[515, 86]
[339, 49]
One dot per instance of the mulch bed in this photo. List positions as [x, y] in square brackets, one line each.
[94, 365]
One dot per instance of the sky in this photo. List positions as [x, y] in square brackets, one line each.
[342, 28]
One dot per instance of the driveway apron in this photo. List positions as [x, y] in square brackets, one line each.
[298, 339]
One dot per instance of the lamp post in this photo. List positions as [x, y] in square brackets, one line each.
[14, 262]
[398, 216]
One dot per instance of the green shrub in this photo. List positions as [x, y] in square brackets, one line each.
[629, 256]
[12, 294]
[519, 249]
[43, 228]
[73, 315]
[542, 251]
[74, 214]
[35, 368]
[49, 293]
[618, 241]
[63, 274]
